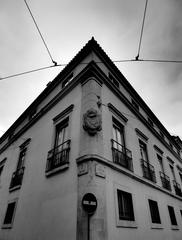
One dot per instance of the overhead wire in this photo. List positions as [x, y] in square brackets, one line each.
[55, 63]
[141, 35]
[31, 71]
[115, 61]
[137, 59]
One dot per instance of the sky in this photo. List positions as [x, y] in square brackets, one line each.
[67, 25]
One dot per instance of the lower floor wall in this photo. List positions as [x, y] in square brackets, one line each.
[123, 210]
[111, 220]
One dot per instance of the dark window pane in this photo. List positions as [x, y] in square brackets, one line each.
[21, 159]
[143, 150]
[154, 211]
[1, 169]
[125, 206]
[9, 213]
[181, 212]
[172, 215]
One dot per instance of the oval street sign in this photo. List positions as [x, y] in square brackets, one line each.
[89, 203]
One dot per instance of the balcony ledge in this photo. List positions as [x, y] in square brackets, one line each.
[56, 170]
[14, 188]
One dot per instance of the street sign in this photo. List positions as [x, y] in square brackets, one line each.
[89, 203]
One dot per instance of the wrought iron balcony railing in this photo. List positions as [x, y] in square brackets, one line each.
[148, 171]
[177, 188]
[121, 155]
[17, 178]
[58, 156]
[165, 181]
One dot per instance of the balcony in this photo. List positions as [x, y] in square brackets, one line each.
[165, 181]
[16, 179]
[148, 171]
[177, 188]
[58, 156]
[121, 155]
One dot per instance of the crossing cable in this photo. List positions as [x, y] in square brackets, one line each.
[115, 61]
[141, 35]
[55, 63]
[31, 71]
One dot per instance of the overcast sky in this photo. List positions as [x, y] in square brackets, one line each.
[67, 25]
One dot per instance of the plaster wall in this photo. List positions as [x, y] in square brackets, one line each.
[140, 194]
[141, 191]
[46, 206]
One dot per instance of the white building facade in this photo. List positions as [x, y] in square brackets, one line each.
[90, 132]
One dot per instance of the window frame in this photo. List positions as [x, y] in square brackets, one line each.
[2, 163]
[159, 205]
[171, 166]
[65, 118]
[121, 128]
[123, 222]
[161, 162]
[10, 225]
[21, 159]
[146, 150]
[180, 176]
[173, 226]
[154, 225]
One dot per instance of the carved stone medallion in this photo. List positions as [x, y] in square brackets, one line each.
[92, 122]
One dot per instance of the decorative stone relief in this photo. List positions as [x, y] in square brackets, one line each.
[100, 171]
[82, 169]
[92, 122]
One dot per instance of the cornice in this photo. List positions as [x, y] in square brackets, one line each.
[117, 112]
[158, 149]
[112, 165]
[141, 134]
[63, 113]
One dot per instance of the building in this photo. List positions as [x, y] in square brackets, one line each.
[90, 132]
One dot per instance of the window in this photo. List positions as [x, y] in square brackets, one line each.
[125, 206]
[21, 160]
[154, 211]
[147, 168]
[59, 155]
[2, 166]
[113, 80]
[161, 162]
[61, 134]
[172, 215]
[118, 135]
[143, 151]
[135, 105]
[180, 174]
[172, 171]
[8, 220]
[17, 176]
[121, 155]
